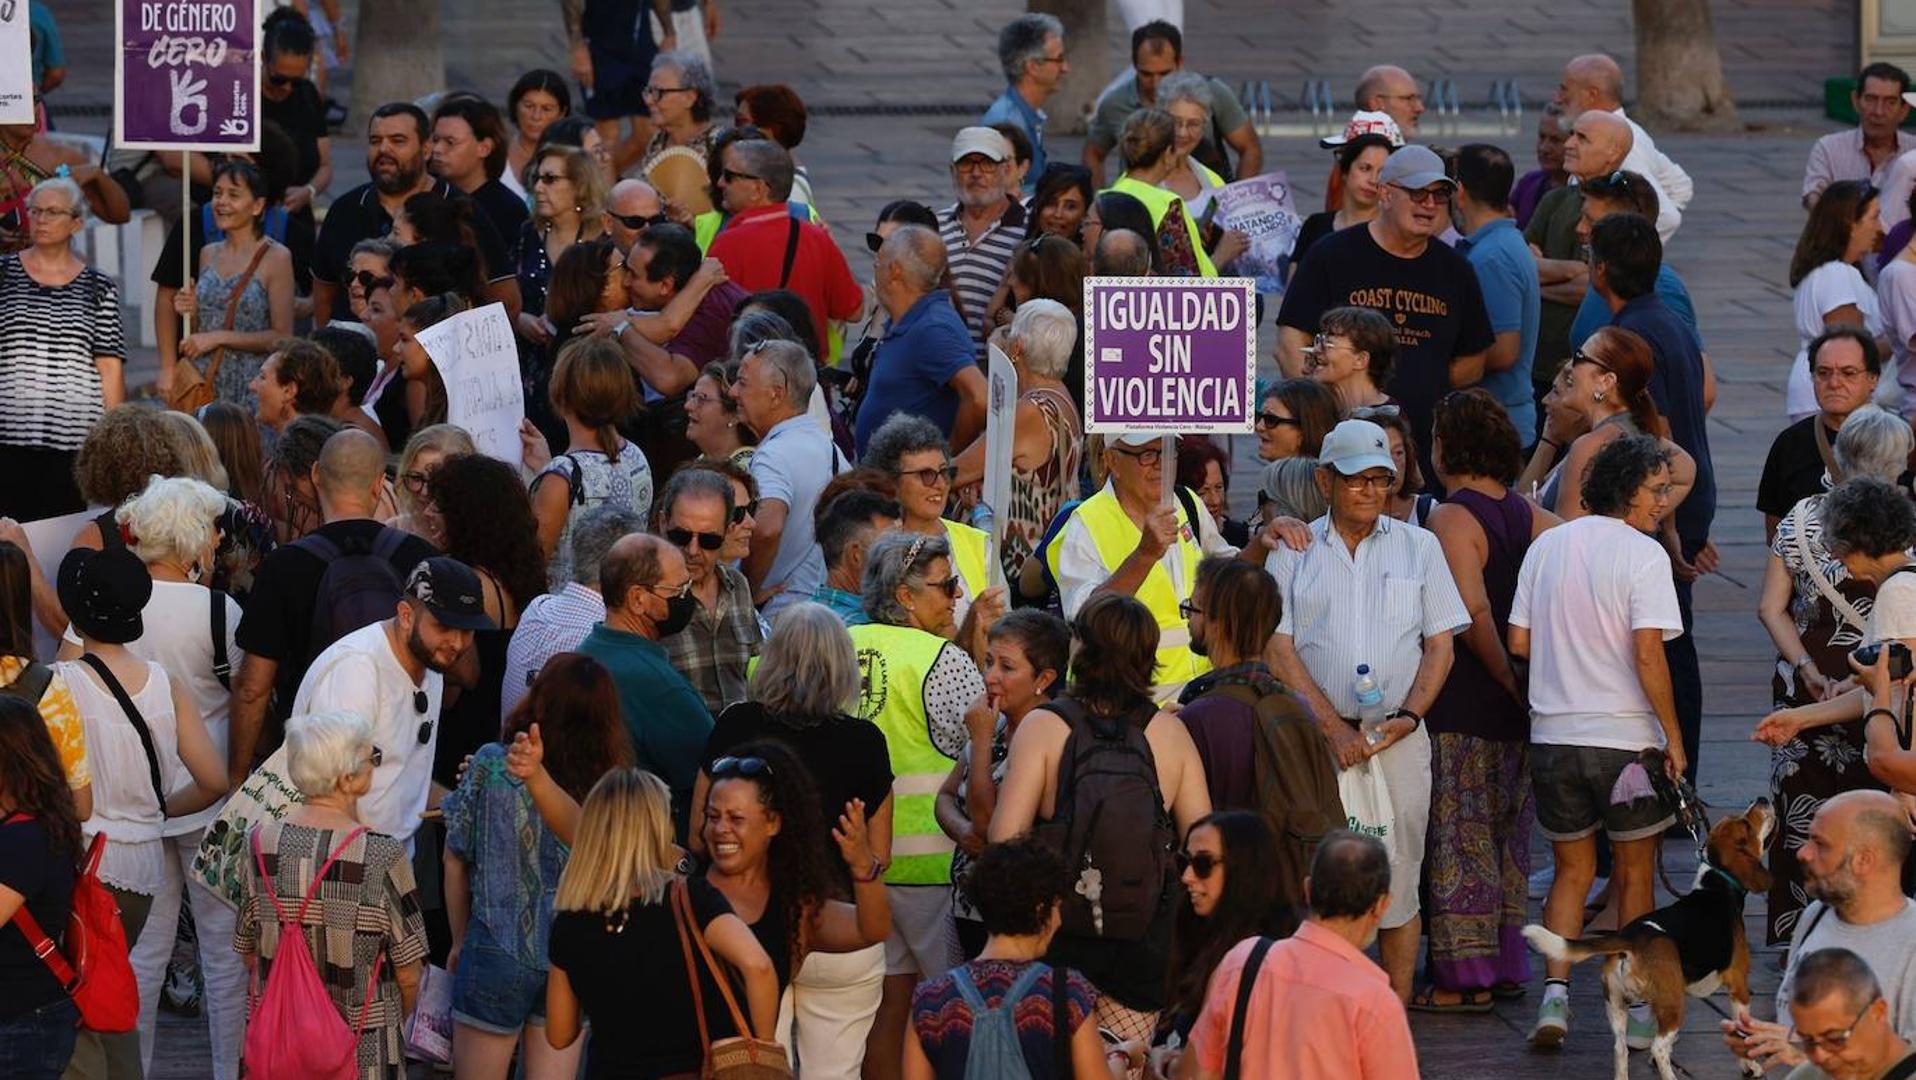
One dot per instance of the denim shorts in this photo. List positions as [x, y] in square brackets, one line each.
[1573, 785]
[493, 991]
[36, 1044]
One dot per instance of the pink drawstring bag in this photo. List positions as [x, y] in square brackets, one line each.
[295, 1031]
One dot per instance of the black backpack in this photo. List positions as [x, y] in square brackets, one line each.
[1110, 825]
[359, 588]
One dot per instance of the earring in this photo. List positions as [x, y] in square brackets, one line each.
[1598, 395]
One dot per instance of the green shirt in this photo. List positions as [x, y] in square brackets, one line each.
[1553, 229]
[1114, 108]
[667, 719]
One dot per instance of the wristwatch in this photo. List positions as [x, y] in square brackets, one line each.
[1415, 720]
[622, 327]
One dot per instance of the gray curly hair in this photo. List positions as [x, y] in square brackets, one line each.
[901, 434]
[898, 558]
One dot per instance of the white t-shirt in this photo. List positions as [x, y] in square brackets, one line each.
[1892, 616]
[179, 637]
[1585, 588]
[1828, 287]
[359, 673]
[1896, 301]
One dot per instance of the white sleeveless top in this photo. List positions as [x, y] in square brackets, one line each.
[592, 478]
[124, 805]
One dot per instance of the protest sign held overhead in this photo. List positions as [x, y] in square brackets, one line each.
[187, 75]
[16, 65]
[1177, 355]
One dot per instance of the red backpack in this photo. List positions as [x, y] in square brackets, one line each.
[295, 1031]
[92, 965]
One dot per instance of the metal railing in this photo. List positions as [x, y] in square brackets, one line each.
[1317, 111]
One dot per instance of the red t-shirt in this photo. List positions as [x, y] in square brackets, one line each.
[752, 248]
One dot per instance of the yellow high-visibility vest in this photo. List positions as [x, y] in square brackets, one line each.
[894, 662]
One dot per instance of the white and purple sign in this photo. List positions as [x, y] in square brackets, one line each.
[187, 76]
[1262, 209]
[1173, 355]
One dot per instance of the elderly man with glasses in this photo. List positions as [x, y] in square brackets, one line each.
[1427, 290]
[1373, 592]
[724, 634]
[794, 461]
[983, 228]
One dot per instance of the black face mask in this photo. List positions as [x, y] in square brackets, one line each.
[678, 614]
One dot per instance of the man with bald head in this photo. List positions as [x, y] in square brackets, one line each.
[1597, 146]
[648, 596]
[1595, 81]
[926, 365]
[1387, 88]
[281, 630]
[629, 208]
[1852, 863]
[1121, 253]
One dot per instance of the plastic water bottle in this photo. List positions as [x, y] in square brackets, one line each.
[1370, 704]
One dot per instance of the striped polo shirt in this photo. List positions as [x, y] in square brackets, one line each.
[978, 267]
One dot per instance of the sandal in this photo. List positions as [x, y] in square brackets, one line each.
[1508, 990]
[1470, 1001]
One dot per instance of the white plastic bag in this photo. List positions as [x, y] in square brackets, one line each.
[1367, 807]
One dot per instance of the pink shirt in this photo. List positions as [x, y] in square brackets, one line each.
[1320, 1009]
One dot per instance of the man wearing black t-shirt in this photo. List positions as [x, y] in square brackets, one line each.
[469, 150]
[1844, 369]
[396, 159]
[276, 630]
[1427, 291]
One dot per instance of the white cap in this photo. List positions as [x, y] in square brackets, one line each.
[1356, 445]
[1365, 122]
[980, 140]
[1138, 438]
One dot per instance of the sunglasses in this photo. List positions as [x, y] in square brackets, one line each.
[931, 477]
[419, 705]
[370, 282]
[733, 176]
[637, 221]
[740, 766]
[740, 513]
[1271, 419]
[1200, 863]
[376, 758]
[683, 538]
[548, 178]
[1373, 412]
[1430, 196]
[282, 80]
[949, 586]
[874, 242]
[1189, 607]
[1581, 357]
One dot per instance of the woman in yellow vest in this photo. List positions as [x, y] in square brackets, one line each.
[1148, 159]
[912, 451]
[915, 685]
[1187, 97]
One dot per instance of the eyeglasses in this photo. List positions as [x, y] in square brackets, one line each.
[1376, 412]
[976, 164]
[740, 766]
[1058, 59]
[673, 594]
[949, 586]
[420, 703]
[1200, 863]
[1430, 196]
[654, 93]
[701, 399]
[1831, 1040]
[548, 178]
[733, 176]
[637, 221]
[684, 537]
[930, 477]
[1145, 458]
[748, 510]
[1581, 357]
[1824, 374]
[376, 758]
[370, 282]
[1271, 420]
[414, 481]
[1189, 608]
[51, 211]
[1373, 481]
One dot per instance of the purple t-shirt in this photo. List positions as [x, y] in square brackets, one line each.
[1529, 190]
[704, 338]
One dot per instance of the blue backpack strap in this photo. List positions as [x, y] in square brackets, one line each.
[210, 230]
[967, 988]
[1024, 982]
[276, 219]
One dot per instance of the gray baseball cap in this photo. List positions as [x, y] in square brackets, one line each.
[1414, 167]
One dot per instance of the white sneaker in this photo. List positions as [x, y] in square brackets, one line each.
[1540, 882]
[1553, 1022]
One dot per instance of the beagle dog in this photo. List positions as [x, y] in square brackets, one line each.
[1693, 946]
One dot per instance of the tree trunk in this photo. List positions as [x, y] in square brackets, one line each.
[1679, 72]
[1088, 51]
[396, 56]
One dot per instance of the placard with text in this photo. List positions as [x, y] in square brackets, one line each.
[186, 75]
[1172, 355]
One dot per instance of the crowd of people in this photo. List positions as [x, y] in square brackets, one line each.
[717, 721]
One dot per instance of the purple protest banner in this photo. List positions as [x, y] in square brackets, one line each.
[1172, 355]
[187, 75]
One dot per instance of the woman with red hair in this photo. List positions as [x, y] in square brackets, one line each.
[779, 112]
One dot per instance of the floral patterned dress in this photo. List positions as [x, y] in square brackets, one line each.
[1824, 761]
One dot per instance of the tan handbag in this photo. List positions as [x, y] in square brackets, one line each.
[741, 1057]
[193, 387]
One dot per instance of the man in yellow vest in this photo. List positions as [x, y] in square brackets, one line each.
[1118, 540]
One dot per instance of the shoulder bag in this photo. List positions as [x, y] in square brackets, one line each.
[741, 1057]
[139, 724]
[1844, 610]
[193, 387]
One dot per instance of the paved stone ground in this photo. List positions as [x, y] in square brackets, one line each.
[862, 64]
